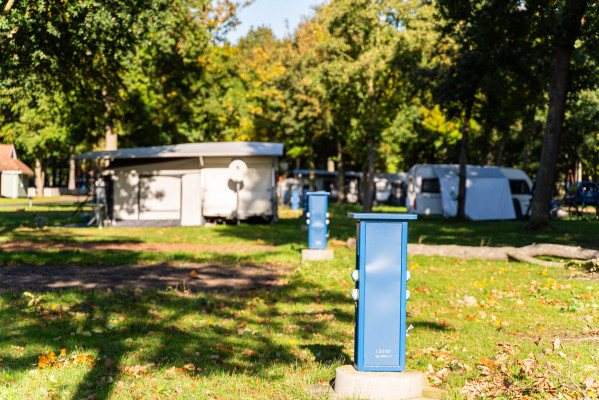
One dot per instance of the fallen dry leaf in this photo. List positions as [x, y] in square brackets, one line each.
[557, 344]
[189, 367]
[529, 366]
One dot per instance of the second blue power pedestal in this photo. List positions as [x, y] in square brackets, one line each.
[295, 199]
[317, 219]
[381, 293]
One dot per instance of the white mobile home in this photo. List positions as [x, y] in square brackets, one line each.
[492, 193]
[188, 184]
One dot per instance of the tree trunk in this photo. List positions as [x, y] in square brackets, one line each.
[464, 161]
[8, 6]
[72, 172]
[40, 177]
[573, 12]
[369, 194]
[52, 179]
[340, 173]
[312, 169]
[528, 131]
[372, 127]
[111, 136]
[501, 150]
[487, 156]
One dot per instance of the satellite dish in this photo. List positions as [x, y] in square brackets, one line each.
[238, 169]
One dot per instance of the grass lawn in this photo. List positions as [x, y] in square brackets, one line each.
[20, 224]
[38, 200]
[483, 326]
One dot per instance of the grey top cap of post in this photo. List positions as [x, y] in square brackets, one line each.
[214, 149]
[318, 193]
[383, 217]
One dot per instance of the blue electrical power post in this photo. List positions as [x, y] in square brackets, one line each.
[381, 293]
[317, 220]
[295, 199]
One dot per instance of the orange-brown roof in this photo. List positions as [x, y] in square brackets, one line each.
[9, 161]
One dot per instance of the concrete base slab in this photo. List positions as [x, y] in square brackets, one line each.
[378, 385]
[317, 255]
[326, 391]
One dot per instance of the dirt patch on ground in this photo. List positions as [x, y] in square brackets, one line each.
[136, 246]
[194, 277]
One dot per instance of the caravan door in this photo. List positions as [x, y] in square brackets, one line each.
[520, 187]
[159, 197]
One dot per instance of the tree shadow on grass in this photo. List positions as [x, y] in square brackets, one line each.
[326, 352]
[220, 332]
[430, 326]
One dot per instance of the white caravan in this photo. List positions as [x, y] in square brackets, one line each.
[492, 193]
[188, 184]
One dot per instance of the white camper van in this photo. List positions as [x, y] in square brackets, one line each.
[492, 192]
[521, 188]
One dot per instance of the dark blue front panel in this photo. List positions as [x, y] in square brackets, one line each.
[317, 232]
[382, 296]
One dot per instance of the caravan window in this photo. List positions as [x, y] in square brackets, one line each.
[519, 186]
[431, 185]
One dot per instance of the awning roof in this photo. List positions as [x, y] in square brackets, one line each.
[214, 149]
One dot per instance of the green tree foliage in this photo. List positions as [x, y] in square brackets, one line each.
[138, 69]
[490, 74]
[371, 50]
[376, 85]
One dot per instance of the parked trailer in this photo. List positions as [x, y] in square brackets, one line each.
[188, 184]
[492, 192]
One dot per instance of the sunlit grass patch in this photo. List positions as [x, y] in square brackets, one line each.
[253, 344]
[475, 321]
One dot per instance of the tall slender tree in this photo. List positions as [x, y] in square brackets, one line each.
[567, 18]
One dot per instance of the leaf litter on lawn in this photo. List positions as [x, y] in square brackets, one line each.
[505, 375]
[51, 360]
